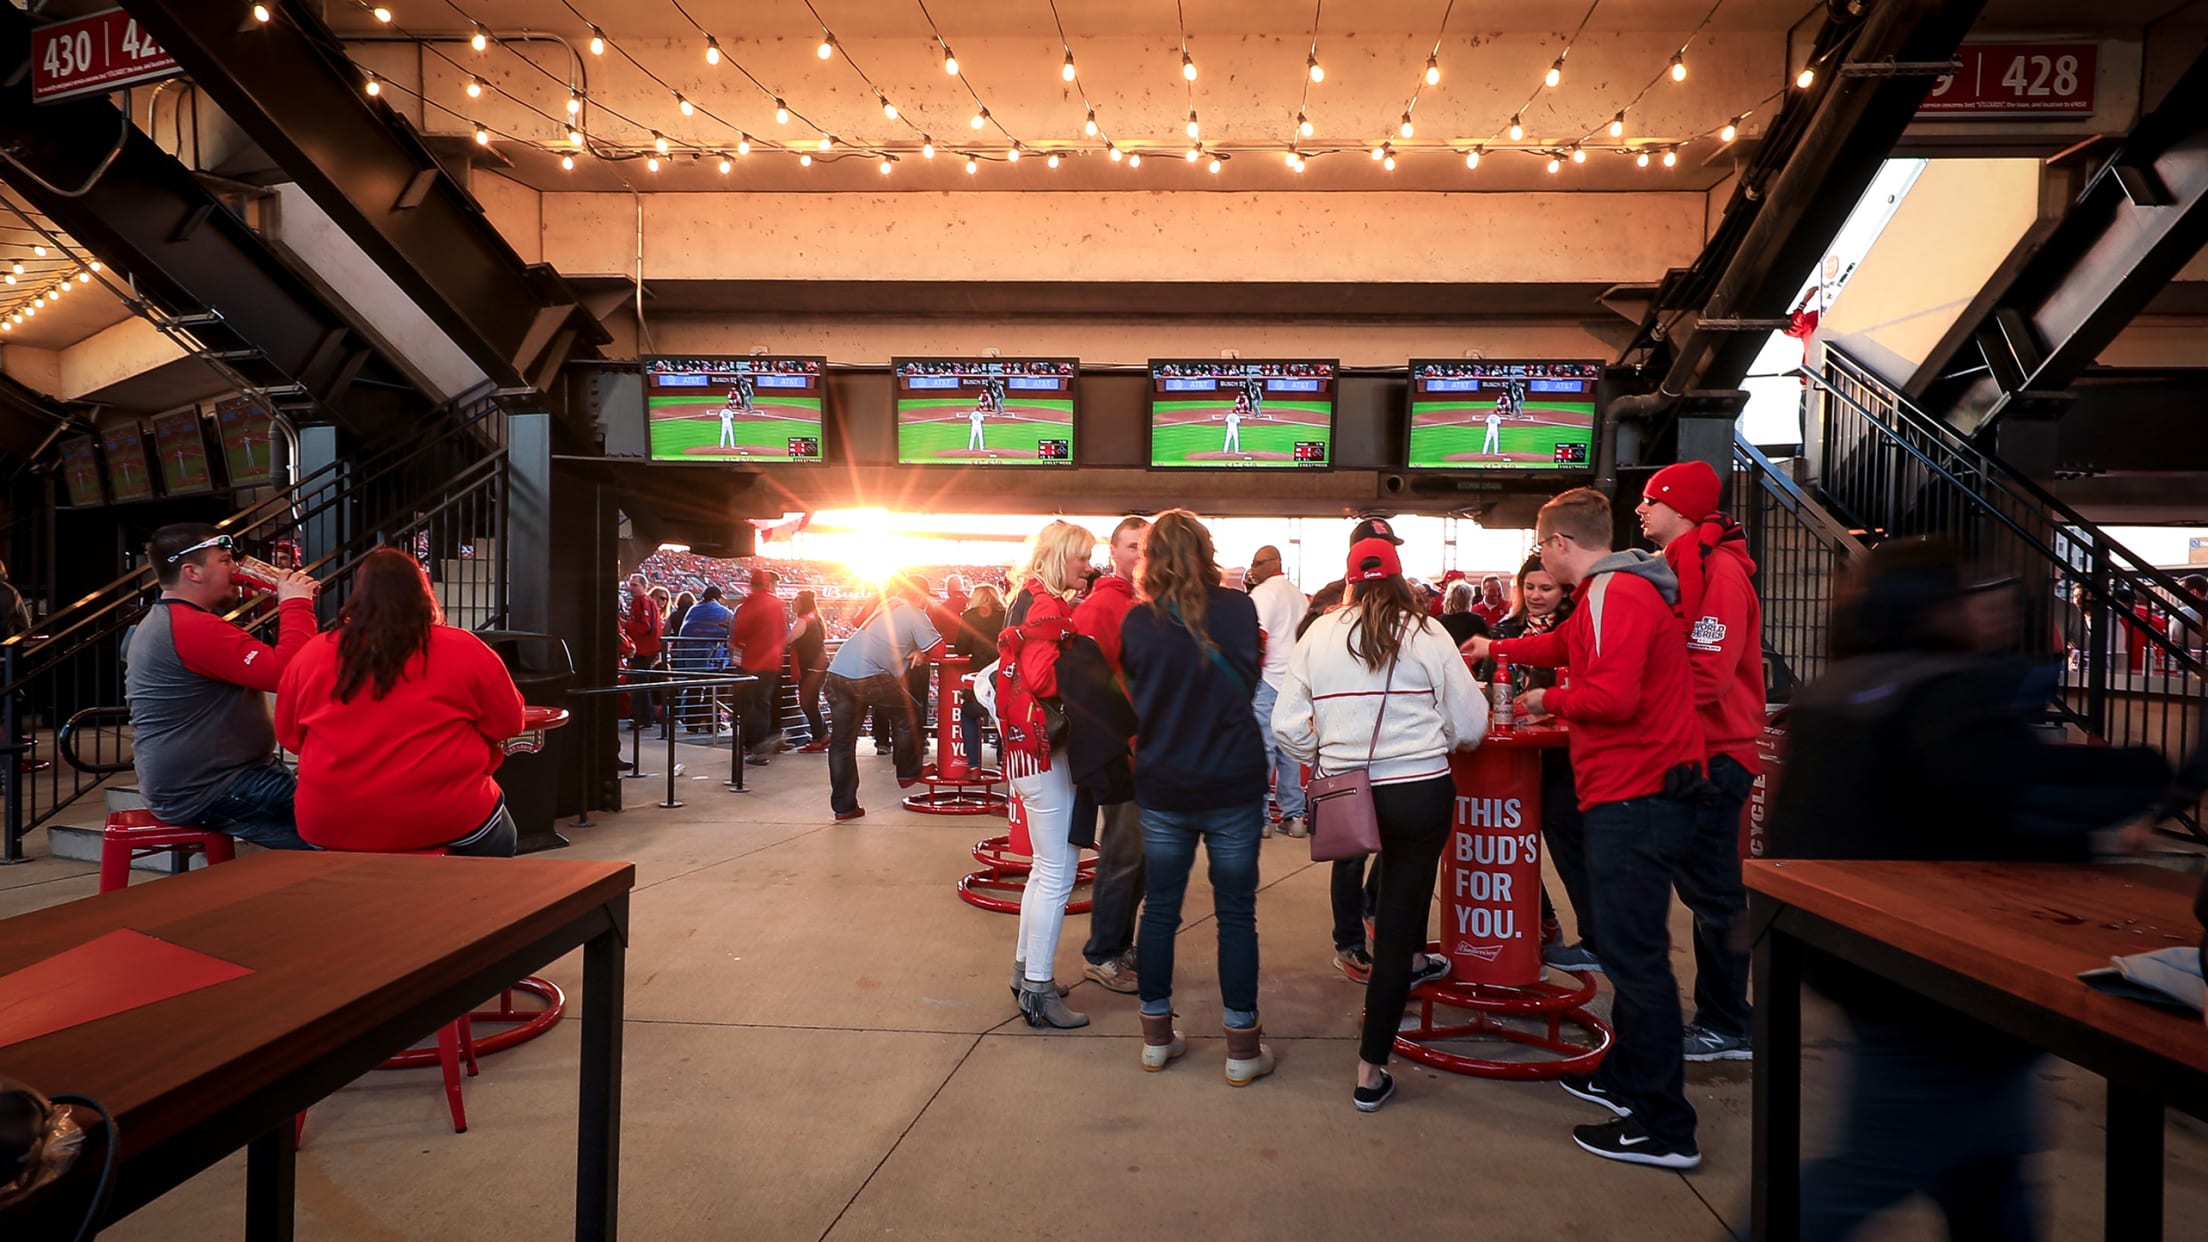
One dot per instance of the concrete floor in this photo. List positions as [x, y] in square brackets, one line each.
[820, 1046]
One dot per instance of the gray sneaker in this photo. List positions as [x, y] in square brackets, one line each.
[1703, 1044]
[1113, 974]
[1577, 958]
[1295, 826]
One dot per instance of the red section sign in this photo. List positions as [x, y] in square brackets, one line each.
[94, 55]
[2017, 79]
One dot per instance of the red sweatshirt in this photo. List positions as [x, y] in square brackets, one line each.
[411, 770]
[642, 624]
[1725, 646]
[760, 630]
[1631, 698]
[1100, 614]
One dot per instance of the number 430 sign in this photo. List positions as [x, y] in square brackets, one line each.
[2017, 79]
[93, 55]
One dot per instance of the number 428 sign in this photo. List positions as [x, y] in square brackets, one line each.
[93, 55]
[2017, 79]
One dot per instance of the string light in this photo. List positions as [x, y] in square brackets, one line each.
[1194, 154]
[712, 50]
[567, 163]
[1555, 73]
[1517, 128]
[981, 118]
[927, 147]
[1192, 127]
[1013, 156]
[1089, 126]
[1303, 125]
[888, 109]
[374, 87]
[684, 105]
[1053, 160]
[597, 41]
[1554, 164]
[1215, 165]
[1377, 154]
[1671, 157]
[885, 166]
[383, 14]
[1066, 70]
[827, 143]
[1731, 130]
[1579, 154]
[482, 136]
[1311, 63]
[1472, 158]
[743, 144]
[38, 249]
[1617, 126]
[574, 101]
[972, 166]
[482, 39]
[1641, 159]
[1805, 77]
[950, 62]
[805, 161]
[16, 267]
[827, 46]
[475, 88]
[1188, 67]
[574, 136]
[84, 278]
[1134, 159]
[261, 13]
[1433, 70]
[659, 142]
[1387, 160]
[651, 163]
[95, 265]
[10, 278]
[727, 165]
[1113, 152]
[1405, 128]
[781, 112]
[1678, 66]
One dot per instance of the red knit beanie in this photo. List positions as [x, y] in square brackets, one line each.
[1690, 487]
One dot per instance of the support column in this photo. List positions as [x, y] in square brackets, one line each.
[528, 549]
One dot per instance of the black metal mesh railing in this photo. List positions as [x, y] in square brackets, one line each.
[1799, 551]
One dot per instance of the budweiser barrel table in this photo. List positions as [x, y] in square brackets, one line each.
[956, 782]
[1491, 925]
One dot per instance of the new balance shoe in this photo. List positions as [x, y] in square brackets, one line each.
[1369, 1099]
[1577, 958]
[1583, 1086]
[1704, 1044]
[1354, 963]
[1625, 1140]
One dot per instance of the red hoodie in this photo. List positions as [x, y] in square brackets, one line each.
[760, 630]
[1099, 616]
[642, 625]
[1631, 698]
[1725, 646]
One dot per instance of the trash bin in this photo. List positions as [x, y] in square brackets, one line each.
[543, 670]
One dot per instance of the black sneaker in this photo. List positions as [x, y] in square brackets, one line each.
[1624, 1140]
[1583, 1086]
[1704, 1044]
[1369, 1099]
[1431, 967]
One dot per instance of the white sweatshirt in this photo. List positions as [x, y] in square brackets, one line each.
[1329, 700]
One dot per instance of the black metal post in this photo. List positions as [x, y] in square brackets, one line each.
[2133, 1211]
[1776, 1178]
[271, 1176]
[11, 832]
[672, 801]
[598, 1120]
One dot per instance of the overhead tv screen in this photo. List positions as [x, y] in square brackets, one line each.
[1236, 413]
[985, 411]
[1475, 414]
[182, 449]
[733, 409]
[80, 472]
[248, 436]
[129, 477]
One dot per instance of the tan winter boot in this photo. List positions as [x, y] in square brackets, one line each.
[1160, 1042]
[1247, 1059]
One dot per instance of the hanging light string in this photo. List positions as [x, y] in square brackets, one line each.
[780, 104]
[76, 270]
[1188, 76]
[966, 80]
[714, 54]
[1089, 125]
[1674, 68]
[890, 110]
[1555, 67]
[1312, 74]
[1430, 73]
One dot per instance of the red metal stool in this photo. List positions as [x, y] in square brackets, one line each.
[1004, 870]
[131, 834]
[955, 785]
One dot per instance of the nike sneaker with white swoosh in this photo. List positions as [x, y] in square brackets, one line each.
[1625, 1140]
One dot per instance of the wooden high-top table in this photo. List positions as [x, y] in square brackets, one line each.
[1999, 942]
[354, 957]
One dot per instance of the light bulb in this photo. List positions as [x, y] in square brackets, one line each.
[1388, 163]
[885, 167]
[827, 47]
[261, 13]
[1472, 158]
[574, 102]
[1671, 159]
[95, 265]
[597, 41]
[1089, 126]
[1617, 126]
[1188, 67]
[38, 249]
[482, 136]
[1678, 67]
[32, 309]
[1405, 128]
[1291, 157]
[7, 327]
[481, 40]
[972, 166]
[1013, 156]
[652, 163]
[374, 87]
[1066, 70]
[805, 161]
[950, 62]
[1053, 160]
[927, 147]
[1805, 77]
[1194, 154]
[567, 163]
[889, 109]
[1579, 154]
[383, 14]
[659, 142]
[1303, 125]
[826, 143]
[1641, 159]
[1555, 163]
[1215, 165]
[781, 113]
[981, 118]
[16, 267]
[475, 88]
[1312, 63]
[1555, 73]
[743, 144]
[1433, 71]
[1192, 128]
[574, 136]
[1517, 129]
[1134, 160]
[1730, 132]
[1377, 153]
[685, 106]
[1113, 151]
[10, 278]
[726, 165]
[712, 50]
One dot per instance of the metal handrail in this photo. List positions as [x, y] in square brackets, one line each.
[1798, 502]
[66, 740]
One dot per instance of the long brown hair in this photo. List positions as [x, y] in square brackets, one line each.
[386, 622]
[1378, 616]
[1179, 569]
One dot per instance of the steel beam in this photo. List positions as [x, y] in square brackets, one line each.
[289, 85]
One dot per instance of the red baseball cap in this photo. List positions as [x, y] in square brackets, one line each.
[1690, 487]
[1371, 560]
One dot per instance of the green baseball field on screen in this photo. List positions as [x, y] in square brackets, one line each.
[688, 428]
[1194, 433]
[1451, 434]
[939, 430]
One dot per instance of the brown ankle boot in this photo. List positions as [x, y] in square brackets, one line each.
[1247, 1059]
[1160, 1042]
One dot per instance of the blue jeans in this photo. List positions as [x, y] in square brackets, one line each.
[1287, 779]
[1230, 837]
[1635, 850]
[257, 807]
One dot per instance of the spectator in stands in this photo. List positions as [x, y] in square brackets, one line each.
[758, 639]
[701, 647]
[15, 615]
[1030, 722]
[204, 745]
[643, 626]
[1637, 753]
[954, 594]
[1194, 659]
[1116, 892]
[978, 627]
[809, 661]
[2188, 618]
[868, 672]
[1279, 607]
[1491, 607]
[1378, 686]
[1708, 551]
[684, 602]
[1457, 618]
[398, 721]
[1912, 746]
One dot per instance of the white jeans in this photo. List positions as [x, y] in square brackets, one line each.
[1048, 802]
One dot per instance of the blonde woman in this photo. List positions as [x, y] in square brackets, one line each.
[1038, 625]
[1193, 659]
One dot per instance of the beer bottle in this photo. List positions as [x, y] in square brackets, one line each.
[1499, 691]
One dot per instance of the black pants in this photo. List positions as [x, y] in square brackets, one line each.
[762, 708]
[1709, 885]
[1414, 821]
[849, 698]
[1354, 889]
[1564, 827]
[1116, 894]
[642, 701]
[808, 702]
[1635, 852]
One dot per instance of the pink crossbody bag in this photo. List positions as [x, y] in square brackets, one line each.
[1343, 823]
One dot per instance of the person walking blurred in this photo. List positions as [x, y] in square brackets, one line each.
[1279, 607]
[978, 627]
[809, 661]
[758, 639]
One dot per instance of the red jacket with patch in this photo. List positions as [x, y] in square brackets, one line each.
[1100, 614]
[1725, 648]
[641, 624]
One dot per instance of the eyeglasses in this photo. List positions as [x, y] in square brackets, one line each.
[219, 541]
[1543, 546]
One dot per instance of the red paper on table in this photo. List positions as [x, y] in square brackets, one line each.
[120, 971]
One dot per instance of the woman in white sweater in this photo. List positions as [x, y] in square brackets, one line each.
[1378, 685]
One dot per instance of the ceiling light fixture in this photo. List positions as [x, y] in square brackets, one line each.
[1517, 128]
[1405, 128]
[1472, 158]
[1617, 126]
[481, 39]
[597, 41]
[950, 62]
[1731, 130]
[712, 50]
[482, 136]
[1678, 67]
[1303, 125]
[781, 112]
[1555, 73]
[1433, 71]
[1188, 67]
[1311, 64]
[1066, 70]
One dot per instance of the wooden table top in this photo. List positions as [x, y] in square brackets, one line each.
[2026, 928]
[335, 940]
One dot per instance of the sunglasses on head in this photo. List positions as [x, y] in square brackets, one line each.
[219, 541]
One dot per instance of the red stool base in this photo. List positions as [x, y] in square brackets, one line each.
[1555, 1003]
[1005, 872]
[522, 1025]
[971, 794]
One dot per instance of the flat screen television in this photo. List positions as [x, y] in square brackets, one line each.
[755, 408]
[1477, 414]
[248, 436]
[129, 474]
[182, 449]
[80, 472]
[985, 411]
[1235, 413]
